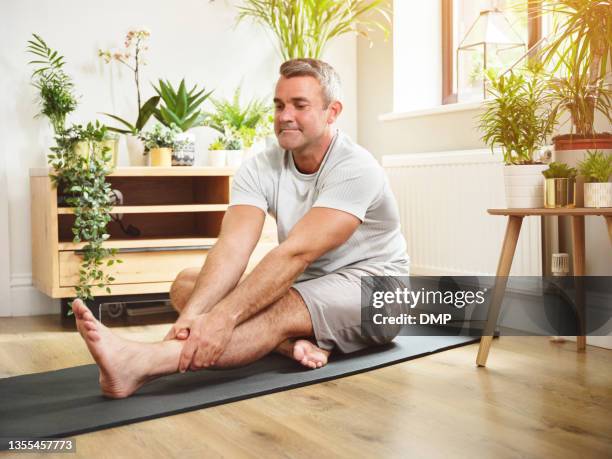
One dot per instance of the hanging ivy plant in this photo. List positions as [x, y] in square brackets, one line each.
[80, 177]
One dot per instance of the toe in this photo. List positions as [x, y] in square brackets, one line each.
[78, 307]
[93, 335]
[298, 353]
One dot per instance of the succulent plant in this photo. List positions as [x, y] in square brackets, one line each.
[597, 166]
[559, 170]
[179, 107]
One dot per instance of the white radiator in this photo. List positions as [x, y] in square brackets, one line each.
[443, 200]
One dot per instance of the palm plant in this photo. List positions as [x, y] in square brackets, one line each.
[303, 28]
[230, 113]
[57, 98]
[180, 107]
[516, 118]
[581, 46]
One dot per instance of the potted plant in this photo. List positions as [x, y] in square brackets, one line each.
[216, 153]
[182, 109]
[81, 182]
[111, 141]
[303, 29]
[159, 143]
[56, 90]
[239, 124]
[516, 120]
[579, 54]
[226, 150]
[85, 142]
[597, 169]
[135, 45]
[559, 185]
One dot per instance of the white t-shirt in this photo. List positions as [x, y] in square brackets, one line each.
[349, 179]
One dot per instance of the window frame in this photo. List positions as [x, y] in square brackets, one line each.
[534, 35]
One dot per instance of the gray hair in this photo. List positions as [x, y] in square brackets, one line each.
[323, 72]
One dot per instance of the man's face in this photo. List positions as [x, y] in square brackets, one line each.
[300, 118]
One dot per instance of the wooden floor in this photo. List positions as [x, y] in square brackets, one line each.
[535, 399]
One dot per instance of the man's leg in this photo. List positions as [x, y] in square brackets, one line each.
[127, 365]
[305, 351]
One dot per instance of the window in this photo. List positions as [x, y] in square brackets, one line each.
[462, 77]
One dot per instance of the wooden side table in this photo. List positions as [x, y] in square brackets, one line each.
[513, 229]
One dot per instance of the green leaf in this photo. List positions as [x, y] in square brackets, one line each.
[148, 108]
[121, 120]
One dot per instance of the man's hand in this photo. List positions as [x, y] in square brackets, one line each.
[208, 338]
[181, 328]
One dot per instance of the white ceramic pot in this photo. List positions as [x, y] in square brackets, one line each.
[135, 148]
[216, 158]
[233, 158]
[524, 186]
[598, 194]
[183, 153]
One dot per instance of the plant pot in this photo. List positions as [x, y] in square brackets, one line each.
[598, 194]
[216, 158]
[571, 149]
[136, 150]
[184, 150]
[559, 192]
[82, 149]
[233, 158]
[567, 142]
[524, 186]
[161, 157]
[113, 151]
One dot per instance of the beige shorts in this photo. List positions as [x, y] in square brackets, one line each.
[334, 303]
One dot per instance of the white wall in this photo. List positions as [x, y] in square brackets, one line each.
[195, 39]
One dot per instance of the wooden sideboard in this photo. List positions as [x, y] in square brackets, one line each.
[177, 211]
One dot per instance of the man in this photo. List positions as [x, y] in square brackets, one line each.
[337, 221]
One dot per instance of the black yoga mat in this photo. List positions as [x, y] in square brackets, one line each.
[68, 402]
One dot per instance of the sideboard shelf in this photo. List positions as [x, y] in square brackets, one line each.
[176, 211]
[156, 209]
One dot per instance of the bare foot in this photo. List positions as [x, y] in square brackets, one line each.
[309, 354]
[122, 363]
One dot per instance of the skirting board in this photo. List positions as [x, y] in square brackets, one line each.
[26, 300]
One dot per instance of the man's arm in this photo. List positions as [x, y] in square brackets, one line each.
[318, 232]
[227, 260]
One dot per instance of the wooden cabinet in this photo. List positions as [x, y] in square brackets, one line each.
[168, 220]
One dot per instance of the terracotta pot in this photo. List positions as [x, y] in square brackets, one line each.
[573, 149]
[161, 157]
[573, 142]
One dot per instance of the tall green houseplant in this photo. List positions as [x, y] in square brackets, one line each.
[516, 118]
[304, 28]
[578, 56]
[56, 89]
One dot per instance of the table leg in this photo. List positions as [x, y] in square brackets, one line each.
[609, 222]
[579, 271]
[513, 230]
